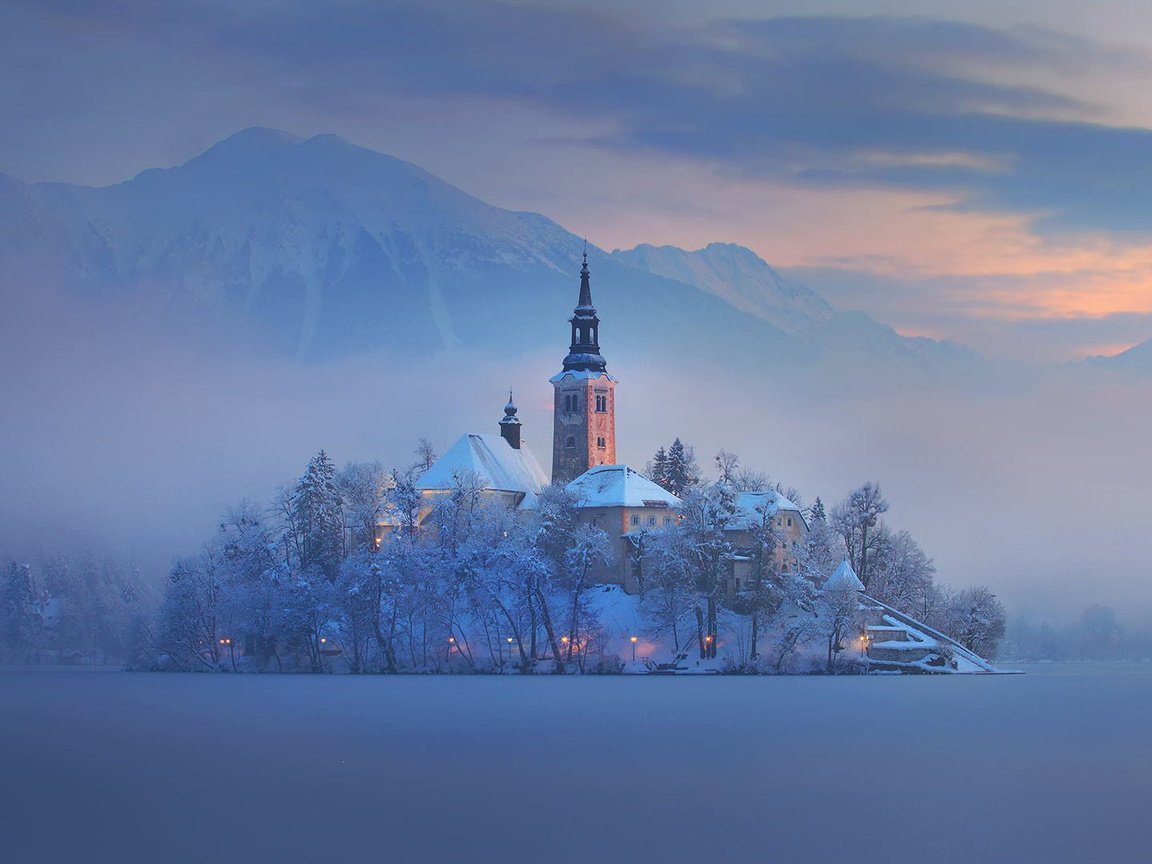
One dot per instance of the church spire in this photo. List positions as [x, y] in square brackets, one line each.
[510, 425]
[584, 411]
[584, 352]
[585, 301]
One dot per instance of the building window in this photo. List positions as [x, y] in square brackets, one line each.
[652, 521]
[789, 521]
[601, 404]
[600, 443]
[667, 520]
[737, 581]
[635, 520]
[571, 442]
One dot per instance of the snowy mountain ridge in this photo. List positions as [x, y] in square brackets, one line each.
[331, 248]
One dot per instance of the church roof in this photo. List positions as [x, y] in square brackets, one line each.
[844, 579]
[499, 467]
[620, 486]
[749, 506]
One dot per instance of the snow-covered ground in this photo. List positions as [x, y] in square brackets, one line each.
[124, 767]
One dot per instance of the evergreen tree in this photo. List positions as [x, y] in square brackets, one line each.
[658, 468]
[817, 514]
[682, 472]
[19, 615]
[316, 518]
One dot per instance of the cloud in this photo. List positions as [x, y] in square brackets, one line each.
[829, 102]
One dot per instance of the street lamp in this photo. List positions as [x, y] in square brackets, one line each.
[633, 638]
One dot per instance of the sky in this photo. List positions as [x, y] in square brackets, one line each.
[976, 172]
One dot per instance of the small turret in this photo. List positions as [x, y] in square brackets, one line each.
[510, 425]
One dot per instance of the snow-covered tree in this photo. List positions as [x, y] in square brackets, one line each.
[669, 595]
[20, 616]
[856, 520]
[761, 593]
[657, 468]
[187, 630]
[976, 619]
[902, 574]
[727, 467]
[426, 457]
[708, 513]
[363, 489]
[816, 514]
[315, 519]
[682, 472]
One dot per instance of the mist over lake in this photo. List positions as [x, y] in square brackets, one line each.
[1053, 766]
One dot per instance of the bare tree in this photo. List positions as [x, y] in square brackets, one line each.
[856, 520]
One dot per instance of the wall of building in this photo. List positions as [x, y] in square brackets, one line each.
[584, 426]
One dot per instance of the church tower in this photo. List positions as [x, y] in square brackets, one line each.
[584, 413]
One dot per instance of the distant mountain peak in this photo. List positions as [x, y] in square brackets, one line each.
[1136, 358]
[737, 275]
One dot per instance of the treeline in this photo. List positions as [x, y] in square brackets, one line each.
[74, 609]
[890, 563]
[1097, 634]
[310, 584]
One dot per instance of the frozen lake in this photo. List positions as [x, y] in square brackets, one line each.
[1054, 766]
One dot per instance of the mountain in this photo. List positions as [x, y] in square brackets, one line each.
[1137, 359]
[325, 248]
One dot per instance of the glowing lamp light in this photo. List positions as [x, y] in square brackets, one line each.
[451, 640]
[634, 640]
[564, 639]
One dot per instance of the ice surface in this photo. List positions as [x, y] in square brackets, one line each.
[1052, 766]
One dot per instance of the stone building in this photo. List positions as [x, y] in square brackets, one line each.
[501, 466]
[624, 504]
[755, 513]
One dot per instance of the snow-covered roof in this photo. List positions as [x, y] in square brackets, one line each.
[579, 375]
[620, 486]
[496, 463]
[844, 579]
[749, 506]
